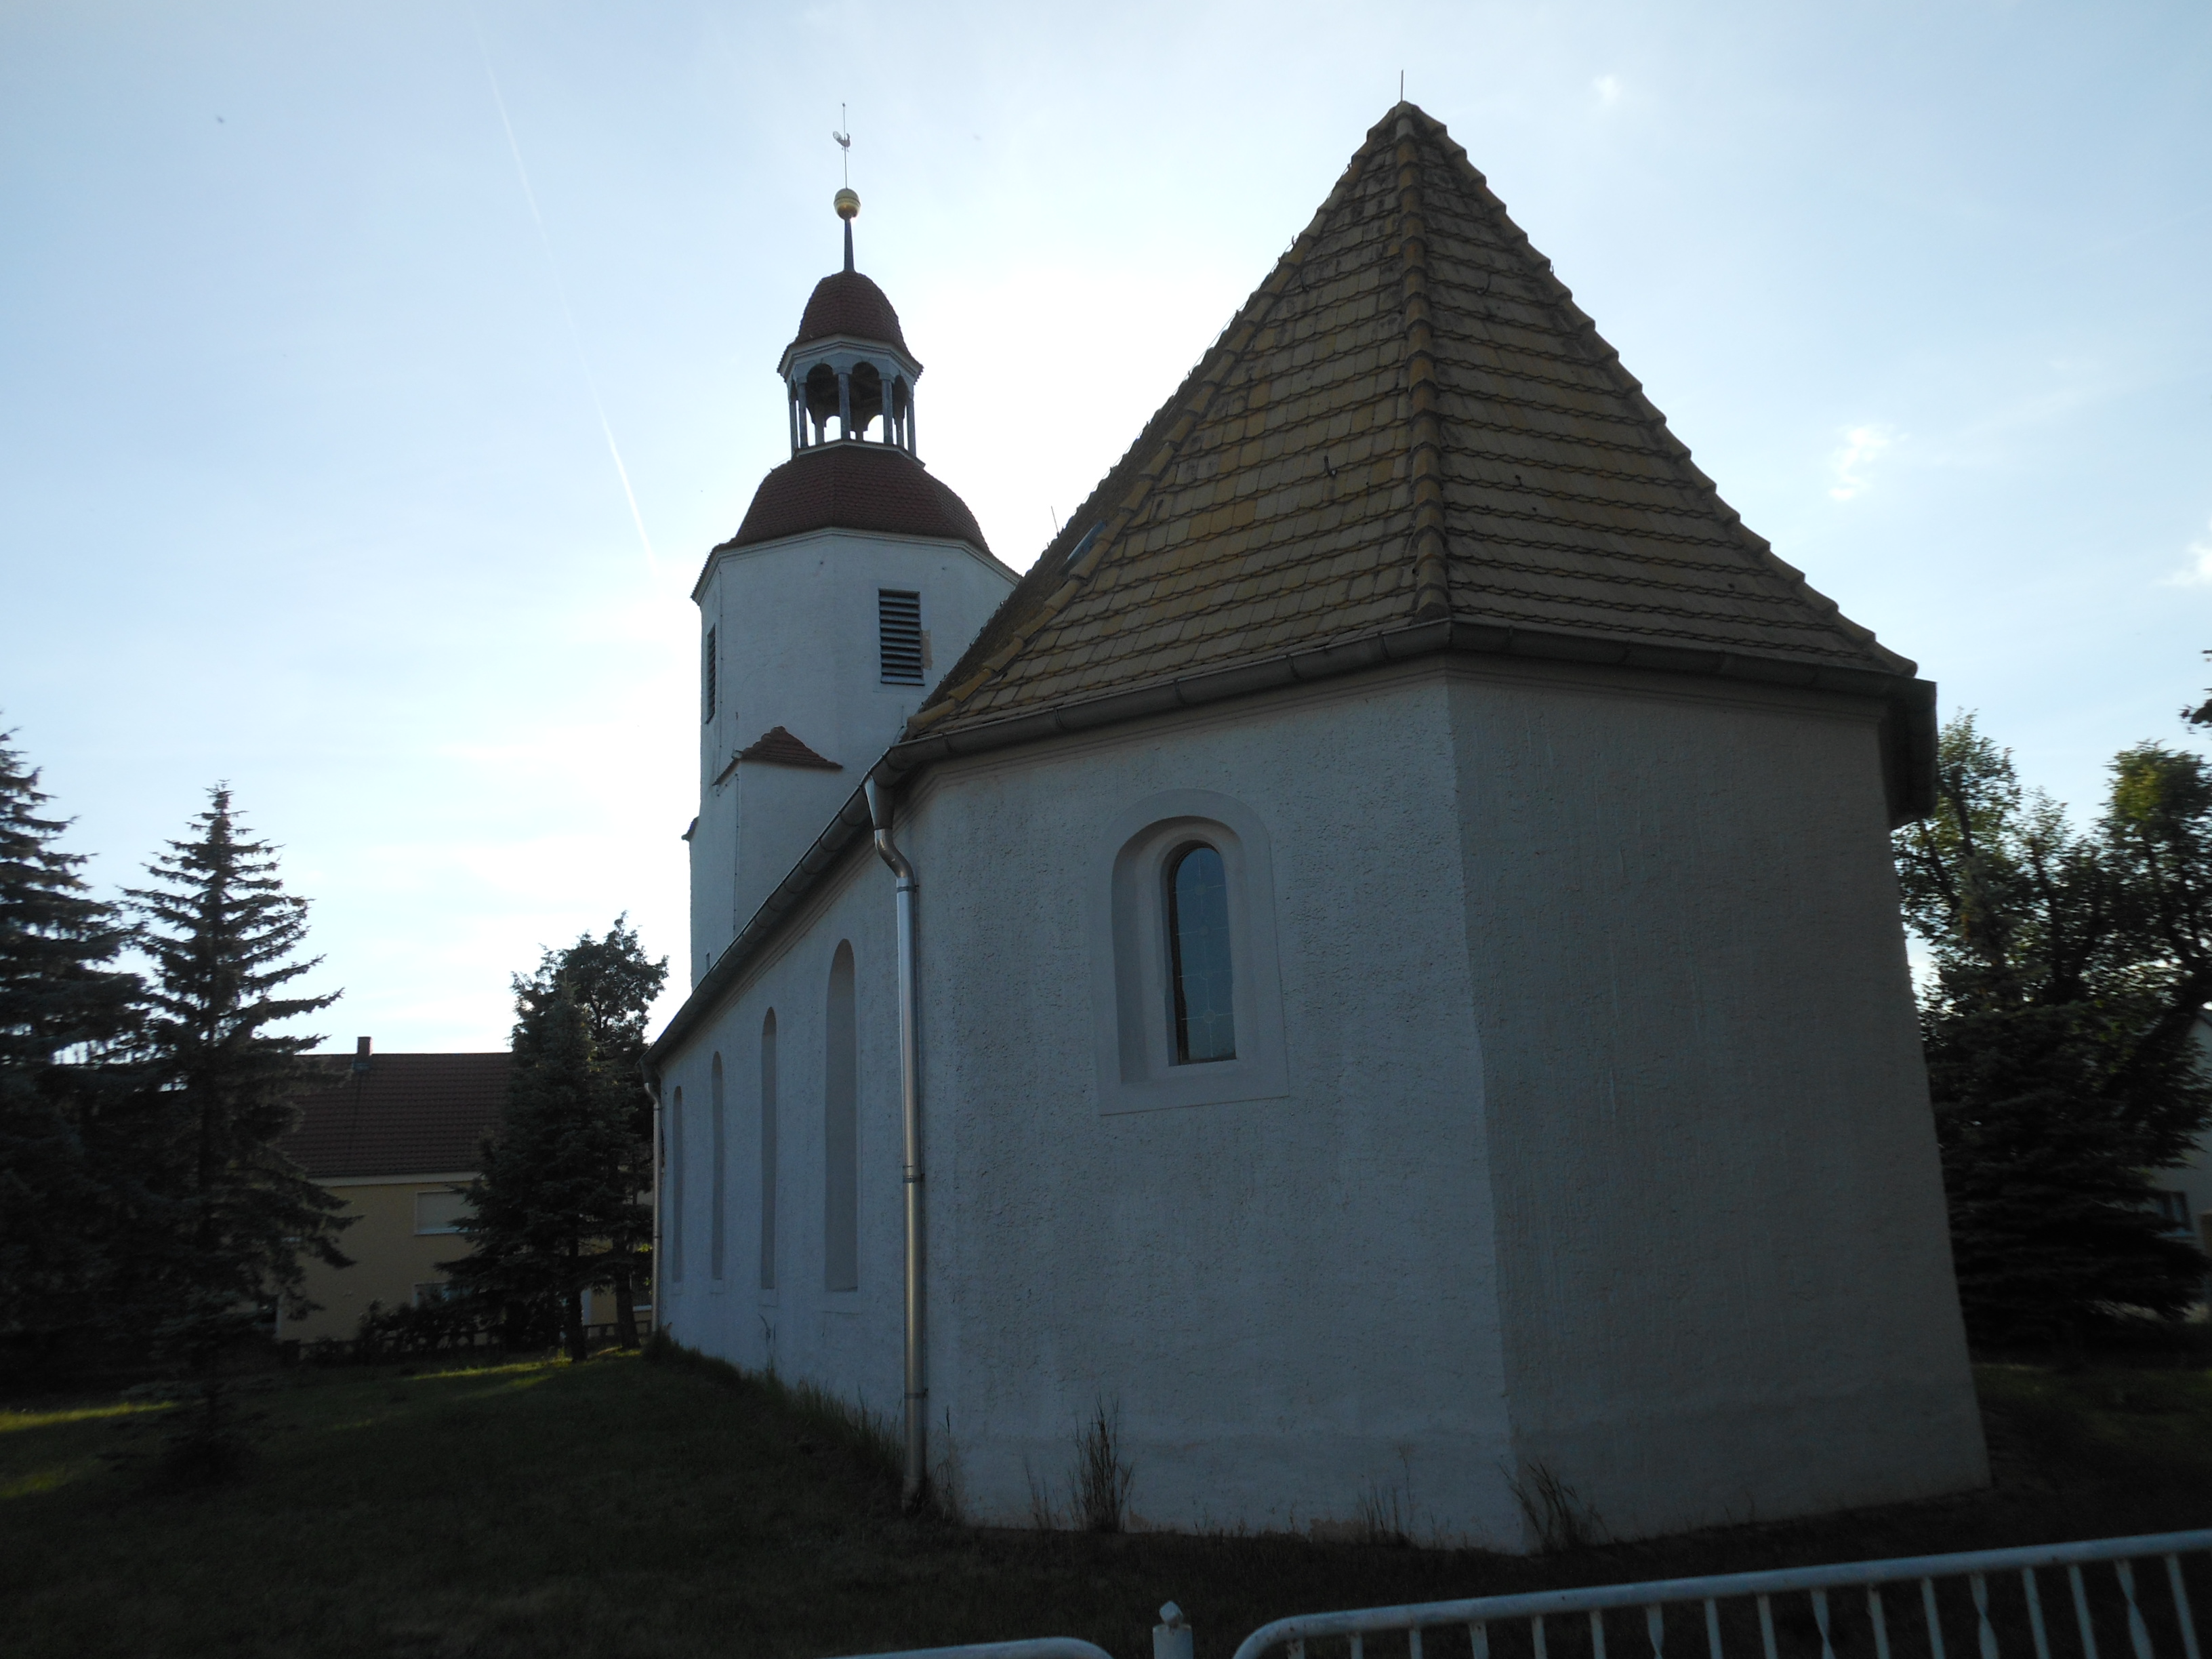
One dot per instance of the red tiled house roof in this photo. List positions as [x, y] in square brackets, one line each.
[408, 1115]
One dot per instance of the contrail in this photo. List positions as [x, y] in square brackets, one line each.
[560, 289]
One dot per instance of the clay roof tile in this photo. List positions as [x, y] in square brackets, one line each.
[1471, 433]
[779, 748]
[406, 1115]
[847, 303]
[856, 486]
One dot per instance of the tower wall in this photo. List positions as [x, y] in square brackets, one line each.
[795, 626]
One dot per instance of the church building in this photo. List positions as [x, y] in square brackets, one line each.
[1374, 965]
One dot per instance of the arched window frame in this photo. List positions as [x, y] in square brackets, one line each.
[771, 1153]
[840, 1125]
[1133, 1005]
[718, 1178]
[672, 1226]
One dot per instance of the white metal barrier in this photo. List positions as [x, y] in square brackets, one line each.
[1041, 1647]
[1478, 1617]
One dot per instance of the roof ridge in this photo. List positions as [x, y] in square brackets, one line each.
[1425, 438]
[1133, 484]
[1582, 328]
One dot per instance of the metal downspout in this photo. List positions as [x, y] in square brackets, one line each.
[659, 1158]
[916, 1484]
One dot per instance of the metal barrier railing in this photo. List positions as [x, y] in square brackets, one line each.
[1041, 1647]
[1728, 1600]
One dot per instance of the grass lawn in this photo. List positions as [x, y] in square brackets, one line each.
[622, 1507]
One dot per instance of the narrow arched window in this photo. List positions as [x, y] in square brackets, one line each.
[768, 1151]
[719, 1143]
[841, 1133]
[1198, 955]
[671, 1224]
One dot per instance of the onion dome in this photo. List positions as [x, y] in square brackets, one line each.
[856, 486]
[845, 303]
[849, 379]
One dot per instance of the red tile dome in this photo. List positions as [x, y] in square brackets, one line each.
[845, 303]
[856, 486]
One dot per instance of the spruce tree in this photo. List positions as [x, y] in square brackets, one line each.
[235, 1217]
[560, 1207]
[67, 1162]
[2059, 1023]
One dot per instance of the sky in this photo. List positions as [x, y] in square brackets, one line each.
[374, 378]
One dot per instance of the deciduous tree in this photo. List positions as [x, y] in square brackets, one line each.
[559, 1208]
[2059, 1020]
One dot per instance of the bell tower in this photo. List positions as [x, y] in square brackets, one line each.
[850, 365]
[855, 579]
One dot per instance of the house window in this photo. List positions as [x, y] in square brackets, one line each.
[440, 1212]
[716, 1113]
[672, 1226]
[430, 1295]
[841, 1126]
[1198, 955]
[1186, 998]
[710, 678]
[2173, 1209]
[768, 1151]
[898, 628]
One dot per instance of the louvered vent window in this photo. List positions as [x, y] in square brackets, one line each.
[898, 621]
[707, 679]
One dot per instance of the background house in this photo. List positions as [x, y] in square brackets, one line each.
[394, 1135]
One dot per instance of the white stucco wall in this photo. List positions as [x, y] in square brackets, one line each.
[1724, 1264]
[1602, 1143]
[1290, 1300]
[795, 625]
[848, 1340]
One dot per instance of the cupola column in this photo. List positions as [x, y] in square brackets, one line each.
[845, 403]
[791, 387]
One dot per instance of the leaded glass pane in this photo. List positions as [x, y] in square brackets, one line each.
[1198, 955]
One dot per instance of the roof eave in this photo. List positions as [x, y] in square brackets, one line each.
[1907, 738]
[858, 344]
[734, 547]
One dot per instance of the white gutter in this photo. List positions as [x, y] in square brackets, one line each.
[916, 1484]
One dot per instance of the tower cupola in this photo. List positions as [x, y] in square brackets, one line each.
[849, 374]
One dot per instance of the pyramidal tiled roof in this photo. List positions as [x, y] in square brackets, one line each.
[1410, 422]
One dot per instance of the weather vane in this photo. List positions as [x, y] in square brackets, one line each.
[848, 204]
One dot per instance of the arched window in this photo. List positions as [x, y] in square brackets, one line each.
[866, 393]
[768, 1151]
[717, 1136]
[671, 1224]
[1198, 955]
[841, 1133]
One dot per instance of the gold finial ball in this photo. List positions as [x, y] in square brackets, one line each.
[848, 204]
